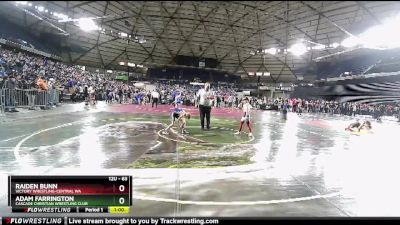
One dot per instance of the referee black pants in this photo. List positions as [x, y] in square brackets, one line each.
[155, 101]
[205, 112]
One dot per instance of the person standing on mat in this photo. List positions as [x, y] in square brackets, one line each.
[246, 117]
[284, 108]
[205, 99]
[155, 96]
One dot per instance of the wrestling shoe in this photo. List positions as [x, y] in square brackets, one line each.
[237, 133]
[250, 134]
[185, 132]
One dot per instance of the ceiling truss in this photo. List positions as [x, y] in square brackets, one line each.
[225, 31]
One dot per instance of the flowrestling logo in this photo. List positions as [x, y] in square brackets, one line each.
[47, 210]
[143, 221]
[37, 220]
[111, 220]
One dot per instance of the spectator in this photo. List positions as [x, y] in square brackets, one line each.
[10, 85]
[42, 84]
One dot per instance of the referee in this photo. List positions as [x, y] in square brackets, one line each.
[205, 97]
[155, 96]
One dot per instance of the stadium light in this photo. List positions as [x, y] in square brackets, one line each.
[350, 42]
[139, 66]
[87, 24]
[259, 73]
[375, 37]
[251, 73]
[61, 16]
[318, 47]
[271, 51]
[298, 49]
[131, 64]
[109, 71]
[21, 3]
[123, 34]
[40, 8]
[122, 63]
[335, 45]
[29, 4]
[267, 74]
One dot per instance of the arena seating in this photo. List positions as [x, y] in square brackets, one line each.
[66, 82]
[12, 32]
[355, 66]
[386, 66]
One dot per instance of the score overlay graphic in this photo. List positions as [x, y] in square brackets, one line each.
[69, 194]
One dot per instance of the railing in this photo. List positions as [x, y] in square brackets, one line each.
[27, 98]
[2, 101]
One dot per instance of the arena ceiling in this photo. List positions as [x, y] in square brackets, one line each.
[226, 31]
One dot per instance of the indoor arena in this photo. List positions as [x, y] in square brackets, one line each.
[215, 109]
